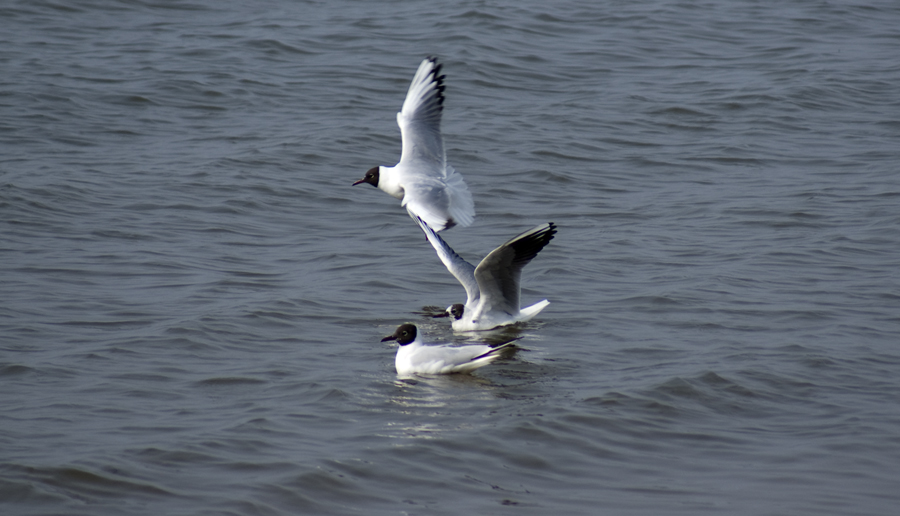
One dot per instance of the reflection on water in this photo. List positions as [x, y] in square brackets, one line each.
[423, 403]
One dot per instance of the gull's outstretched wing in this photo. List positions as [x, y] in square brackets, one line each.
[461, 269]
[420, 121]
[498, 275]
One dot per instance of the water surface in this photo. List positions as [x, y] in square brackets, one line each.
[193, 296]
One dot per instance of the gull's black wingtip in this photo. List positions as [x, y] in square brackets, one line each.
[438, 79]
[547, 233]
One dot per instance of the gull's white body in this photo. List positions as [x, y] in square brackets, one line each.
[414, 357]
[492, 288]
[422, 180]
[483, 317]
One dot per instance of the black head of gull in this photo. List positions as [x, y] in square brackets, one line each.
[456, 311]
[371, 177]
[405, 334]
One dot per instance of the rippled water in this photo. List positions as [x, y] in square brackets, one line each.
[193, 296]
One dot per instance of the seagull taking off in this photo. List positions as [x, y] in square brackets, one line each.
[492, 288]
[426, 185]
[414, 357]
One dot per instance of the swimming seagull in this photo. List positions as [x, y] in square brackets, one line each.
[427, 186]
[415, 357]
[492, 288]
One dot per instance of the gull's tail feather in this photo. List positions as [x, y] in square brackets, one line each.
[462, 207]
[487, 358]
[529, 312]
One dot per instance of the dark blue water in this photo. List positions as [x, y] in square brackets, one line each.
[192, 295]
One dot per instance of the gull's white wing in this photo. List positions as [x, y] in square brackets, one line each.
[461, 269]
[420, 122]
[448, 359]
[498, 275]
[441, 357]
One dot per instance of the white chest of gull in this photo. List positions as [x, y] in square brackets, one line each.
[414, 357]
[422, 180]
[493, 287]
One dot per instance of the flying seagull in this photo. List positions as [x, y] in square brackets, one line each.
[422, 180]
